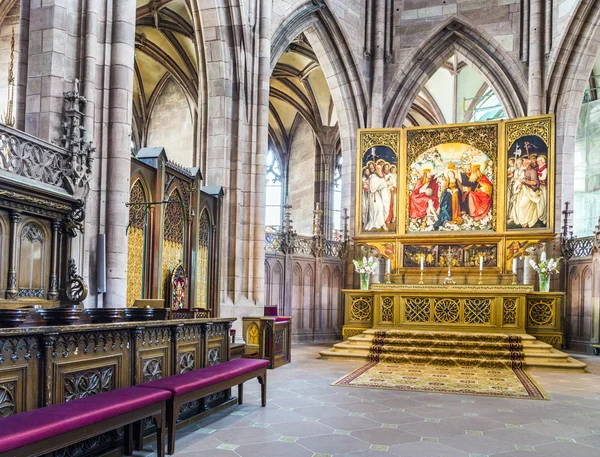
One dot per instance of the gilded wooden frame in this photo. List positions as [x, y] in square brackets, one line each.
[368, 138]
[509, 242]
[544, 128]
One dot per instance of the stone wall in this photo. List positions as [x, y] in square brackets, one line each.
[171, 125]
[301, 178]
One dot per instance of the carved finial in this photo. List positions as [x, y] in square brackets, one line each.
[8, 118]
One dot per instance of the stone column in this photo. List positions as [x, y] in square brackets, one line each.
[53, 288]
[23, 47]
[376, 110]
[118, 155]
[536, 48]
[12, 291]
[264, 75]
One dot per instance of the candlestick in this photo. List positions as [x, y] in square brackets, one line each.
[421, 278]
[480, 263]
[480, 277]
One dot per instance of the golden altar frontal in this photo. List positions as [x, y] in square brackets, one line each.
[463, 308]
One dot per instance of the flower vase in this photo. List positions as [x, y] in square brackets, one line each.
[364, 281]
[544, 283]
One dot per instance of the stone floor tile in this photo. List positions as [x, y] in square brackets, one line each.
[332, 444]
[591, 440]
[334, 399]
[430, 429]
[472, 423]
[519, 436]
[363, 407]
[301, 429]
[393, 417]
[385, 436]
[475, 444]
[567, 450]
[557, 429]
[321, 411]
[297, 402]
[273, 449]
[425, 449]
[349, 423]
[434, 412]
[246, 435]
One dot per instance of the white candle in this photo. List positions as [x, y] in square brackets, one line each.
[514, 268]
[480, 263]
[422, 262]
[388, 266]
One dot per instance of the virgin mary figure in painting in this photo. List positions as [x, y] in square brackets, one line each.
[450, 199]
[477, 193]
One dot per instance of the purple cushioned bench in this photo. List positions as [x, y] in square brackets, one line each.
[54, 427]
[207, 381]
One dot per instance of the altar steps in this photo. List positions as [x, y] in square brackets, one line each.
[537, 354]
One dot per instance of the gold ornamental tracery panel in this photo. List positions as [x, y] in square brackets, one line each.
[136, 241]
[202, 260]
[173, 236]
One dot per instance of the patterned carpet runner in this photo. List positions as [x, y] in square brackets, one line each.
[459, 363]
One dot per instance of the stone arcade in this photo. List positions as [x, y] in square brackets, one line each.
[184, 185]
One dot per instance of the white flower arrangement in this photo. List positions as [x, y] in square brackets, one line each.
[365, 266]
[546, 267]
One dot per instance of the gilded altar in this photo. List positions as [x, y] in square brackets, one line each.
[464, 308]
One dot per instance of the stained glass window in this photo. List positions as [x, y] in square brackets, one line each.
[336, 213]
[274, 193]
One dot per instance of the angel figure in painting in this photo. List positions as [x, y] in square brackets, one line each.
[477, 193]
[527, 197]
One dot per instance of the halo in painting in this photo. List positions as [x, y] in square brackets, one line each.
[451, 188]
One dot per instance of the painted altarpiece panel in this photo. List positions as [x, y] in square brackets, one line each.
[451, 178]
[377, 196]
[529, 181]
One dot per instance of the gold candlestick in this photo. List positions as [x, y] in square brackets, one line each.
[449, 279]
[514, 278]
[480, 277]
[421, 278]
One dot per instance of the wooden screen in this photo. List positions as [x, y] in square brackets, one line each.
[33, 260]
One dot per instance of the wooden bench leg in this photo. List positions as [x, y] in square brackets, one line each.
[241, 394]
[172, 413]
[138, 435]
[263, 388]
[159, 419]
[128, 438]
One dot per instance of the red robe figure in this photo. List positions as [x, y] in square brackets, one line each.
[425, 189]
[477, 193]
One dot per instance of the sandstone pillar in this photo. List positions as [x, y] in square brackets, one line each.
[376, 111]
[118, 150]
[262, 137]
[22, 60]
[536, 48]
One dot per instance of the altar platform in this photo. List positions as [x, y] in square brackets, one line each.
[469, 308]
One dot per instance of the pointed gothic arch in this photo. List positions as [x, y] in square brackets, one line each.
[478, 47]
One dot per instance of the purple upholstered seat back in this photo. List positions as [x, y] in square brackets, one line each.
[36, 425]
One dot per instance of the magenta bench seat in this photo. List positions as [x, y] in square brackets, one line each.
[47, 429]
[193, 385]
